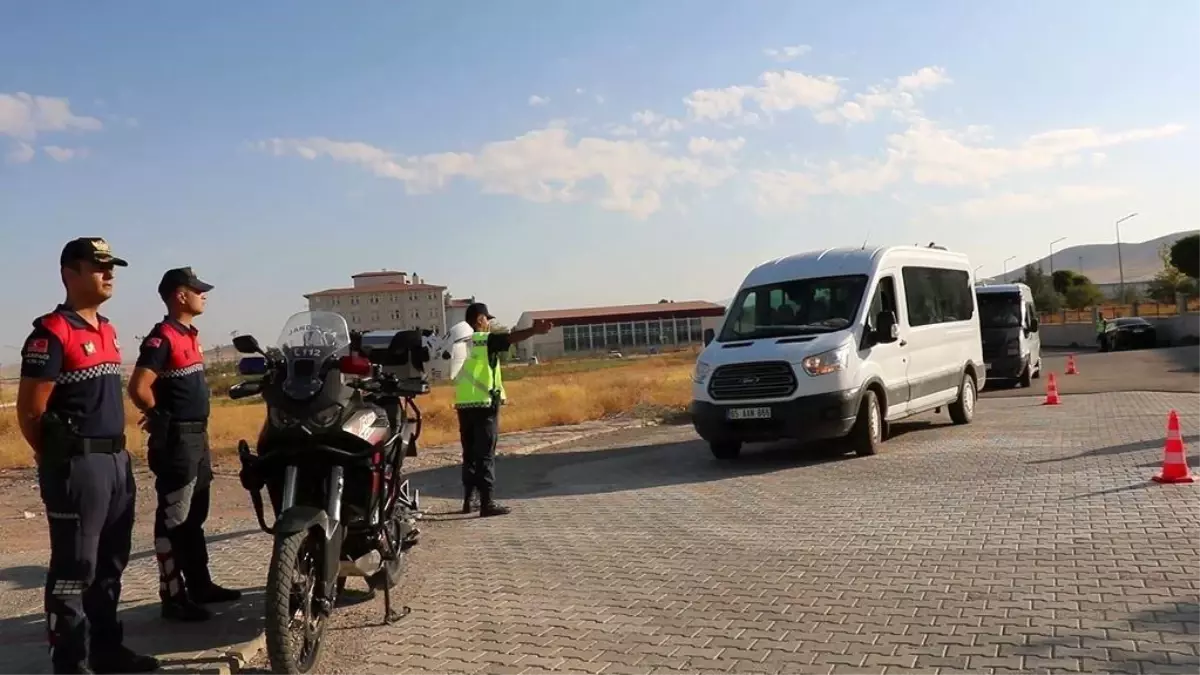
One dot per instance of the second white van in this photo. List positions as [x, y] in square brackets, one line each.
[840, 343]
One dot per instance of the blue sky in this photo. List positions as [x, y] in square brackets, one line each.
[279, 147]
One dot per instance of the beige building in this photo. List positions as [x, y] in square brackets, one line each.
[386, 300]
[588, 331]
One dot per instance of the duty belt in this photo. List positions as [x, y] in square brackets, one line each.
[185, 427]
[96, 446]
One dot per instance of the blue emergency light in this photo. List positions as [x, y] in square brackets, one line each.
[252, 365]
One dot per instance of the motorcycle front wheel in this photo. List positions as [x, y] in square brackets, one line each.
[294, 628]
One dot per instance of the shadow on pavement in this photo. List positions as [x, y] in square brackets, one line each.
[1177, 623]
[26, 577]
[180, 646]
[550, 473]
[1115, 450]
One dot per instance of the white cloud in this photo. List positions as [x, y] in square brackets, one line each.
[621, 130]
[788, 53]
[657, 124]
[702, 145]
[536, 100]
[929, 155]
[61, 154]
[1013, 203]
[899, 98]
[23, 116]
[540, 166]
[777, 91]
[20, 153]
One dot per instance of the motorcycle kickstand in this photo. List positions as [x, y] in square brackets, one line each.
[389, 616]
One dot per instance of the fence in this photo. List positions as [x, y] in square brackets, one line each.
[1144, 309]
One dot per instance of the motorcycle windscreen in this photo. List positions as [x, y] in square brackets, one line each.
[309, 342]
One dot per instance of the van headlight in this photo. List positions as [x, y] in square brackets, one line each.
[828, 362]
[701, 372]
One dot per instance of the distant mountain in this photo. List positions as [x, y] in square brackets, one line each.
[1099, 261]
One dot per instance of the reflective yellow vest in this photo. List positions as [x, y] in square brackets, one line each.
[478, 381]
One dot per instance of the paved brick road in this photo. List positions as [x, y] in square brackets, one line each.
[1029, 541]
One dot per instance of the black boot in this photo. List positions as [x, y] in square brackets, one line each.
[470, 502]
[183, 608]
[489, 507]
[110, 655]
[74, 668]
[211, 593]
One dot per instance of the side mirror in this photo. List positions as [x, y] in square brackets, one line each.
[245, 390]
[709, 336]
[887, 328]
[246, 344]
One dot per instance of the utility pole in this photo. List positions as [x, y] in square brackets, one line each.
[1121, 265]
[1052, 253]
[1005, 277]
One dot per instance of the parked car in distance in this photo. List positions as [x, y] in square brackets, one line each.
[1132, 332]
[1012, 343]
[838, 344]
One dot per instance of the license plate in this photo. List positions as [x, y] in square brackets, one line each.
[1139, 330]
[750, 414]
[987, 366]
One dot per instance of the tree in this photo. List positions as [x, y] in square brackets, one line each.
[1169, 279]
[1185, 255]
[1083, 295]
[1062, 280]
[1044, 296]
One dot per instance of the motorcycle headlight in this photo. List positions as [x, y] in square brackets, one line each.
[281, 419]
[700, 372]
[326, 417]
[828, 362]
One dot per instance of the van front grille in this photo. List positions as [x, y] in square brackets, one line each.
[764, 379]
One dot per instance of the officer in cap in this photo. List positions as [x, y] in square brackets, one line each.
[71, 413]
[169, 387]
[478, 394]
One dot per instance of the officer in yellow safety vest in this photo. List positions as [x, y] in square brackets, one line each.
[478, 395]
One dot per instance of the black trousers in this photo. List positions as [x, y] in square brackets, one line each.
[479, 430]
[182, 466]
[89, 502]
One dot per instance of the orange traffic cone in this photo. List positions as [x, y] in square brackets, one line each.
[1174, 467]
[1071, 369]
[1051, 391]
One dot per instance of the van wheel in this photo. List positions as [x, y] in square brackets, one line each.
[867, 434]
[725, 449]
[962, 411]
[1027, 376]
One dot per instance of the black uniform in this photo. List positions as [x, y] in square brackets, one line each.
[179, 455]
[86, 482]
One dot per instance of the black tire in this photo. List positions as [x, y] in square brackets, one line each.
[867, 434]
[725, 449]
[1027, 376]
[279, 609]
[962, 411]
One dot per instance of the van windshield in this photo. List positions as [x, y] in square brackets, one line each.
[999, 310]
[797, 307]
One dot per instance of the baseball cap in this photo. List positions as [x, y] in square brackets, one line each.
[182, 276]
[90, 249]
[476, 310]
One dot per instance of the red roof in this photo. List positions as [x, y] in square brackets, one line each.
[459, 303]
[377, 288]
[382, 273]
[688, 307]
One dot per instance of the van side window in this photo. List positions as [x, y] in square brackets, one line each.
[933, 295]
[884, 300]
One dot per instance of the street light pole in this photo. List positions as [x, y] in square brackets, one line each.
[1121, 265]
[1006, 267]
[1052, 253]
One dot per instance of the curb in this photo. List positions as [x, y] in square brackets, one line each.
[236, 657]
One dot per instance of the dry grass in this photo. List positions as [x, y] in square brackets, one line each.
[564, 395]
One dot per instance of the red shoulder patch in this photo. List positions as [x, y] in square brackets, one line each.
[38, 346]
[154, 342]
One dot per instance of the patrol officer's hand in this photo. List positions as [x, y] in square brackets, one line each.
[143, 421]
